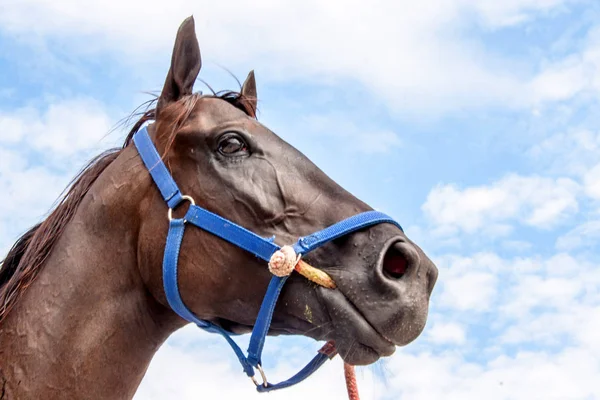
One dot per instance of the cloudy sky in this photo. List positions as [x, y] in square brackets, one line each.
[475, 123]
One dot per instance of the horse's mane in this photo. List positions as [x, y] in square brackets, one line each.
[27, 256]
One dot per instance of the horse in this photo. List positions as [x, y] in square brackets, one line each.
[83, 306]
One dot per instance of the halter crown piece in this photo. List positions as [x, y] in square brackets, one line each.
[281, 261]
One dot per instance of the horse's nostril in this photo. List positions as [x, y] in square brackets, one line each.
[395, 262]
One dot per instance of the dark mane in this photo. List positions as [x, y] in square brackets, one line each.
[27, 257]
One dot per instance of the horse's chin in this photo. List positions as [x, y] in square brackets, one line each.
[357, 341]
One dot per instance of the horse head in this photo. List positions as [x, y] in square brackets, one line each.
[234, 166]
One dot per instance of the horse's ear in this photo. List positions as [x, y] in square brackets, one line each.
[249, 92]
[185, 65]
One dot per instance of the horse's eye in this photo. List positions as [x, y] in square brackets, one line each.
[232, 145]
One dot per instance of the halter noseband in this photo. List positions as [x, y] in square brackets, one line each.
[247, 240]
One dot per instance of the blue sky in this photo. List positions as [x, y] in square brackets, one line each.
[474, 123]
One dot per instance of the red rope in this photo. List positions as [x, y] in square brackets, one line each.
[351, 385]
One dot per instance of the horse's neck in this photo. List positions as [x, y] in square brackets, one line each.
[87, 327]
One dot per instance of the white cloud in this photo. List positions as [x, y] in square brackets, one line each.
[351, 136]
[561, 81]
[447, 333]
[584, 235]
[28, 190]
[414, 55]
[511, 12]
[577, 72]
[534, 200]
[591, 181]
[548, 285]
[474, 291]
[571, 152]
[537, 339]
[550, 305]
[64, 129]
[468, 283]
[514, 290]
[517, 245]
[41, 151]
[563, 264]
[570, 374]
[534, 291]
[12, 128]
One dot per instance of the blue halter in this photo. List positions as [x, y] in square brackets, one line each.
[249, 241]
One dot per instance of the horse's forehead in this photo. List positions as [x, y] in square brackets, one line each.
[211, 112]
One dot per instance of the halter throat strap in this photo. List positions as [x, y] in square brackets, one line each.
[260, 247]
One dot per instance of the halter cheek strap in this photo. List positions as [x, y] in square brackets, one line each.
[260, 247]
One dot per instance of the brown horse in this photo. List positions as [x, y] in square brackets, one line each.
[82, 305]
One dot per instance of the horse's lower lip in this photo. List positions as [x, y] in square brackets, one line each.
[357, 340]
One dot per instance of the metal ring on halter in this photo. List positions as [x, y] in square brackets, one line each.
[263, 376]
[188, 198]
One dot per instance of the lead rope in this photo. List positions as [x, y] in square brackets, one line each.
[351, 384]
[282, 263]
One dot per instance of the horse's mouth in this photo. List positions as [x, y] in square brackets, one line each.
[356, 339]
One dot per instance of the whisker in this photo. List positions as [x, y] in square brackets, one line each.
[350, 349]
[319, 327]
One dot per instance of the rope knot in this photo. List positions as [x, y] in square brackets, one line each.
[283, 261]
